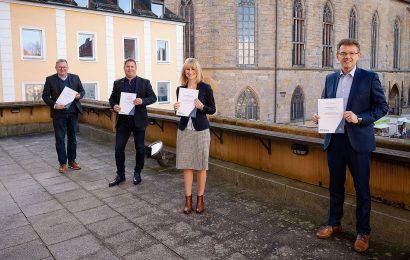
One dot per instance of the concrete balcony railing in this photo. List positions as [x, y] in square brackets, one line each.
[294, 153]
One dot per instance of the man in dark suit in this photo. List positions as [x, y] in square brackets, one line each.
[134, 122]
[364, 103]
[64, 117]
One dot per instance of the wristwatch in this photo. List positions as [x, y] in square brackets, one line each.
[359, 120]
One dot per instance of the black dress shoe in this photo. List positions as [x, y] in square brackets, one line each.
[137, 178]
[118, 179]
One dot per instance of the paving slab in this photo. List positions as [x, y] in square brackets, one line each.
[47, 215]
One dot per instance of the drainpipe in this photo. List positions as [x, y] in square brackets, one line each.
[276, 61]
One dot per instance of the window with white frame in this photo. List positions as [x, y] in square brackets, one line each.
[158, 9]
[130, 48]
[163, 91]
[82, 3]
[91, 90]
[32, 43]
[162, 51]
[125, 5]
[33, 91]
[86, 46]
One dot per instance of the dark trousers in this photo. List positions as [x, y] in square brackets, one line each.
[125, 126]
[339, 154]
[67, 121]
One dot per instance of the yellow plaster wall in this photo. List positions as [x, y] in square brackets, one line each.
[32, 70]
[1, 81]
[133, 28]
[164, 71]
[96, 70]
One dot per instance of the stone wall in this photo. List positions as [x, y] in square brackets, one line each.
[215, 45]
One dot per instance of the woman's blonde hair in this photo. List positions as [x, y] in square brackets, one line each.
[191, 63]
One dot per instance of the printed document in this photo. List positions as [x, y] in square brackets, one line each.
[331, 119]
[66, 97]
[186, 99]
[127, 103]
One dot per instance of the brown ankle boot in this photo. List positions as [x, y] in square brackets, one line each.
[188, 204]
[200, 204]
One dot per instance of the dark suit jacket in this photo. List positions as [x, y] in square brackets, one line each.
[205, 95]
[52, 91]
[144, 91]
[366, 100]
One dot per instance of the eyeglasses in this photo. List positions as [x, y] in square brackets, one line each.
[345, 54]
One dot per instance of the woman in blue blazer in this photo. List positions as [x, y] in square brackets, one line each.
[193, 138]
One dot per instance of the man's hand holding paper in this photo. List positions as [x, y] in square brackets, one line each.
[330, 112]
[66, 97]
[127, 103]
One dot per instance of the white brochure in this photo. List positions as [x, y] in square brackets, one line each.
[186, 99]
[127, 102]
[331, 119]
[66, 97]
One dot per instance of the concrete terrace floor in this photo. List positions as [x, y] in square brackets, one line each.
[47, 215]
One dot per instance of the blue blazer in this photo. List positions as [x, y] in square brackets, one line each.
[206, 96]
[144, 91]
[366, 100]
[52, 91]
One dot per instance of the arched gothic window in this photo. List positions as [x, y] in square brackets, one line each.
[396, 45]
[186, 10]
[297, 105]
[373, 41]
[327, 41]
[247, 105]
[298, 52]
[353, 24]
[394, 100]
[246, 32]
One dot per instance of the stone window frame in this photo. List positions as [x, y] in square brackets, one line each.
[396, 44]
[298, 34]
[240, 34]
[25, 89]
[42, 43]
[247, 100]
[136, 46]
[96, 89]
[94, 46]
[374, 40]
[328, 35]
[186, 10]
[160, 59]
[297, 105]
[353, 24]
[168, 82]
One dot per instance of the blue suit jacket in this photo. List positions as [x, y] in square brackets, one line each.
[366, 100]
[52, 91]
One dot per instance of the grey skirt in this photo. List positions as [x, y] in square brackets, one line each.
[193, 149]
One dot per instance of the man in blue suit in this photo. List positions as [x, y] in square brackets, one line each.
[364, 103]
[64, 117]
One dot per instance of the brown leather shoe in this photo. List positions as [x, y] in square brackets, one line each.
[362, 243]
[329, 231]
[200, 204]
[188, 205]
[74, 165]
[62, 168]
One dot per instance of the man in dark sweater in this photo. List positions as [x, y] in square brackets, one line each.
[134, 121]
[65, 117]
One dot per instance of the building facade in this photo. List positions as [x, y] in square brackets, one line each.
[95, 37]
[267, 59]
